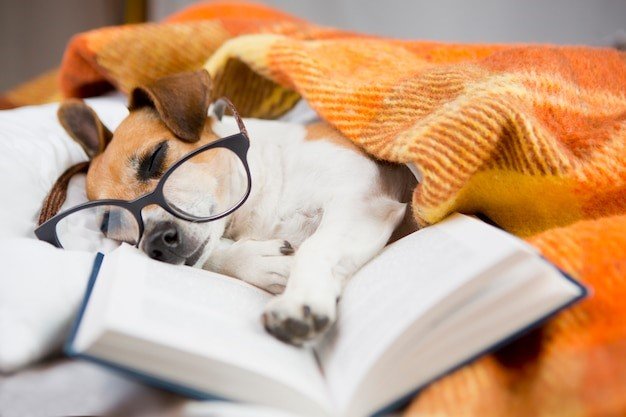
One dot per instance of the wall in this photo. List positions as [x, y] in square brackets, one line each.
[33, 33]
[555, 21]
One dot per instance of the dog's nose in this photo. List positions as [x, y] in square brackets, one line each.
[162, 242]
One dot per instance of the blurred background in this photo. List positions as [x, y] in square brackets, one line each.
[33, 33]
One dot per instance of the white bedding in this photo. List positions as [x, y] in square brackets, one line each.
[41, 286]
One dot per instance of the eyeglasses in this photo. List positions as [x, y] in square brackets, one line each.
[207, 184]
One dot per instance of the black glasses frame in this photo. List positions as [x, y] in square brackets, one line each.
[237, 143]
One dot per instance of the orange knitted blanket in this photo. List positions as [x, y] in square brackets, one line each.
[534, 137]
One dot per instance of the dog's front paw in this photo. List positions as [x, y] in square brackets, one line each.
[296, 319]
[263, 263]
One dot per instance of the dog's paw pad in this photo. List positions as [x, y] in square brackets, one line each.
[320, 323]
[295, 325]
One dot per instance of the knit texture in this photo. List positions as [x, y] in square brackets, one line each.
[534, 137]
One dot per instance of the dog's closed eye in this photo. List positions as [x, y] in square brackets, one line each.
[118, 224]
[104, 223]
[152, 165]
[110, 223]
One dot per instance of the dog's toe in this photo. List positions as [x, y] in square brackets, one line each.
[264, 263]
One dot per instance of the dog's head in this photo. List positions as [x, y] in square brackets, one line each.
[167, 120]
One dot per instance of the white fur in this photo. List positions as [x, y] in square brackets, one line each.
[330, 203]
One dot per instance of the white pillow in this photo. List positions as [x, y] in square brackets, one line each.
[40, 286]
[34, 151]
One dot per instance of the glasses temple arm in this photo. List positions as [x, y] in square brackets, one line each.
[221, 104]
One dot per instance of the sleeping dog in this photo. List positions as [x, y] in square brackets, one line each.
[318, 210]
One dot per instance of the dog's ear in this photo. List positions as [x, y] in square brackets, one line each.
[84, 126]
[181, 100]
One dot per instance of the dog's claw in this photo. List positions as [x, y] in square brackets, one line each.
[287, 249]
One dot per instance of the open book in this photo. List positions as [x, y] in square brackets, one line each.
[425, 305]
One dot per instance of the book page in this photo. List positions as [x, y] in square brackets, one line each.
[527, 295]
[403, 288]
[208, 315]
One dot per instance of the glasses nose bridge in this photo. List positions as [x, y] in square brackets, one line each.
[147, 200]
[138, 206]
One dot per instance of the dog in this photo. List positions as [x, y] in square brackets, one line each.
[318, 210]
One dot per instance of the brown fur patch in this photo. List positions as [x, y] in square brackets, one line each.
[181, 100]
[112, 174]
[84, 126]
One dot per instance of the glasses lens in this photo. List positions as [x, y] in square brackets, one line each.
[208, 184]
[98, 228]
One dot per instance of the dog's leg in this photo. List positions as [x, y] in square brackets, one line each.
[263, 263]
[350, 234]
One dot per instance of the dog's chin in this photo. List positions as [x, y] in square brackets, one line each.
[167, 257]
[199, 255]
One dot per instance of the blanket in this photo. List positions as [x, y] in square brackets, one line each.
[532, 136]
